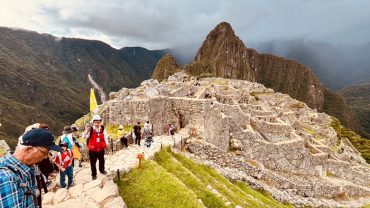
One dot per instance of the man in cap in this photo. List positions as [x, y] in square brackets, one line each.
[97, 142]
[18, 186]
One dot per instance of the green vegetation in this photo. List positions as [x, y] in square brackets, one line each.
[330, 174]
[80, 123]
[366, 206]
[113, 129]
[358, 97]
[297, 105]
[207, 74]
[161, 182]
[309, 131]
[152, 186]
[361, 144]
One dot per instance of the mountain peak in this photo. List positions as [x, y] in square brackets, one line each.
[222, 54]
[223, 28]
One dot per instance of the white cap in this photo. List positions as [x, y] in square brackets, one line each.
[96, 118]
[120, 126]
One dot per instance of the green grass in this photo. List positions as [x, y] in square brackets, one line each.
[152, 186]
[160, 182]
[80, 123]
[309, 131]
[360, 143]
[366, 206]
[113, 128]
[330, 174]
[193, 183]
[228, 189]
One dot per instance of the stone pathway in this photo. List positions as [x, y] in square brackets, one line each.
[102, 192]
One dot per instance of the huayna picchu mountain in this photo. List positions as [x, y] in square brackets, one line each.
[166, 66]
[223, 54]
[44, 78]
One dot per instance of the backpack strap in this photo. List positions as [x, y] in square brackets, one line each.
[59, 155]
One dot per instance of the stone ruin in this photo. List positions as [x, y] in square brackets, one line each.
[246, 127]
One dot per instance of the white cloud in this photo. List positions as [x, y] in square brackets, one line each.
[167, 23]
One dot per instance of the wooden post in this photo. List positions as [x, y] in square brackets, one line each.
[112, 145]
[174, 142]
[140, 157]
[118, 177]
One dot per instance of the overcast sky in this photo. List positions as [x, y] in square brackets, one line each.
[157, 24]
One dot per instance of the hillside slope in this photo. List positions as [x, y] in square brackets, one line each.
[44, 78]
[358, 97]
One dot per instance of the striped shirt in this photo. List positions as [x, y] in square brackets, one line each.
[17, 184]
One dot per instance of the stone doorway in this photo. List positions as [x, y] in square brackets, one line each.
[182, 121]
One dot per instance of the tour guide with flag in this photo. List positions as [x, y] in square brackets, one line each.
[97, 142]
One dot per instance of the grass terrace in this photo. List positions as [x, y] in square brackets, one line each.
[172, 180]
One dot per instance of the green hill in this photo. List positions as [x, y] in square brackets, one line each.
[172, 180]
[44, 78]
[358, 98]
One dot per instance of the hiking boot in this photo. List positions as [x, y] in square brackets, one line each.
[94, 177]
[104, 172]
[71, 185]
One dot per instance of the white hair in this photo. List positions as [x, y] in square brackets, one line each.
[21, 146]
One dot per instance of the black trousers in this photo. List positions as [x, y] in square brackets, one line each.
[137, 139]
[94, 156]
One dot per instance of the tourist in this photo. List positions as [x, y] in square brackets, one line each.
[44, 169]
[64, 162]
[121, 136]
[137, 132]
[171, 129]
[18, 186]
[148, 135]
[97, 142]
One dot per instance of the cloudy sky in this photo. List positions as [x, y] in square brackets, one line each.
[157, 24]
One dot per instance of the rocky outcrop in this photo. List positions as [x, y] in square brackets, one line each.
[223, 54]
[166, 66]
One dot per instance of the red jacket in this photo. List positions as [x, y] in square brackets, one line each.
[97, 141]
[64, 158]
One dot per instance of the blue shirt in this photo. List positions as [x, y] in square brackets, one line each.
[17, 184]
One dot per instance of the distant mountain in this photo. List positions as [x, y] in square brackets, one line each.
[223, 54]
[358, 97]
[44, 78]
[335, 66]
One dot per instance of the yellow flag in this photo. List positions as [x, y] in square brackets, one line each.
[93, 103]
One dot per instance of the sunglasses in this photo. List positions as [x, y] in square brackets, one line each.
[45, 153]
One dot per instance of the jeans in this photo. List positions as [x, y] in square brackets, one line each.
[69, 173]
[94, 156]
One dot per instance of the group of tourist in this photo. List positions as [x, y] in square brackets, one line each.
[25, 172]
[28, 170]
